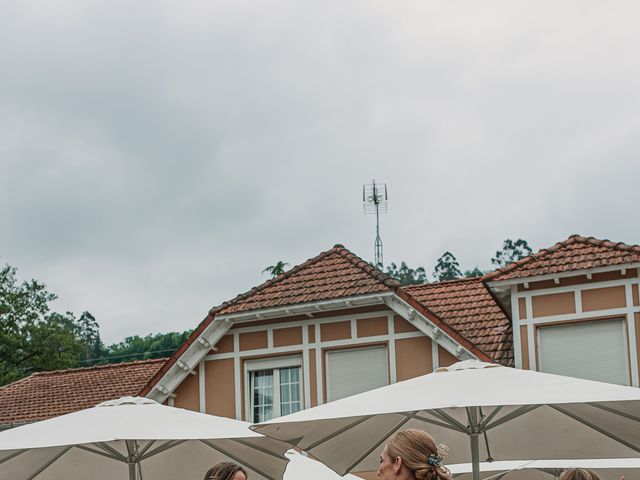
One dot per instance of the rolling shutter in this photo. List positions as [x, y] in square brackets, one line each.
[590, 350]
[355, 371]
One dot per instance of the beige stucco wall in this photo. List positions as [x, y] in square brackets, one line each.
[553, 304]
[187, 393]
[603, 298]
[413, 355]
[219, 388]
[283, 337]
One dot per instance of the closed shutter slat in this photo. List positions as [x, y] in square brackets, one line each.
[591, 350]
[355, 371]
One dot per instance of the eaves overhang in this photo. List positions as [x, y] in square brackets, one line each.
[214, 327]
[553, 276]
[308, 309]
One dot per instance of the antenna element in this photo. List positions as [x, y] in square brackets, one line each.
[375, 200]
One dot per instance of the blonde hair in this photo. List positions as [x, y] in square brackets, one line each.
[578, 474]
[415, 448]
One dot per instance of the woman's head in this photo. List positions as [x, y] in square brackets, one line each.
[578, 474]
[226, 471]
[412, 454]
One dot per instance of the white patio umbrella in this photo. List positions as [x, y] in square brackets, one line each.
[135, 438]
[478, 409]
[606, 469]
[303, 467]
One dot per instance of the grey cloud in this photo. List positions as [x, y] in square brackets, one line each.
[155, 157]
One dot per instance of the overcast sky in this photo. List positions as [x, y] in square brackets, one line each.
[155, 157]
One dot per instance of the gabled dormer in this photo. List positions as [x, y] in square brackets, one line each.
[574, 309]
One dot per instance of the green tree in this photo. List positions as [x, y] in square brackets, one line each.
[277, 269]
[157, 345]
[32, 338]
[447, 268]
[511, 251]
[88, 332]
[476, 272]
[406, 275]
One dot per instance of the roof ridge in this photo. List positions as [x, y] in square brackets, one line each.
[529, 258]
[366, 267]
[575, 238]
[441, 282]
[337, 248]
[272, 281]
[98, 367]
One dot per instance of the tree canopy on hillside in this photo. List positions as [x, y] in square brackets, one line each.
[32, 337]
[407, 275]
[447, 268]
[511, 251]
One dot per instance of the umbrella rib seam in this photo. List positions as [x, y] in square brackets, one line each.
[233, 457]
[510, 416]
[488, 418]
[113, 451]
[255, 447]
[382, 439]
[161, 448]
[13, 455]
[98, 452]
[49, 463]
[339, 432]
[615, 412]
[439, 424]
[448, 418]
[596, 428]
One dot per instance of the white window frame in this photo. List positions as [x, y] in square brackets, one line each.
[384, 347]
[274, 364]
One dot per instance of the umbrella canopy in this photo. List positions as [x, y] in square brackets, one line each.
[133, 438]
[606, 469]
[304, 467]
[480, 410]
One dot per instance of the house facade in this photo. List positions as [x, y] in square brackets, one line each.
[334, 326]
[329, 328]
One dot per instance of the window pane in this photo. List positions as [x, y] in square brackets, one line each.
[262, 395]
[290, 390]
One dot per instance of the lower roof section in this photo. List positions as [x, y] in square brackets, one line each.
[48, 394]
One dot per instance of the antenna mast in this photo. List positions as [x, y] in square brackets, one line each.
[374, 200]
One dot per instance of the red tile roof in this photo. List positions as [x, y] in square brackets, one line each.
[336, 273]
[468, 306]
[48, 394]
[575, 253]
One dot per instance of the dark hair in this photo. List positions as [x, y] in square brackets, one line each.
[578, 474]
[419, 453]
[224, 471]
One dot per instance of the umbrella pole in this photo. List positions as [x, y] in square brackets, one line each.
[474, 433]
[475, 456]
[132, 471]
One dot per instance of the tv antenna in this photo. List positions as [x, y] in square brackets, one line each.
[375, 200]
